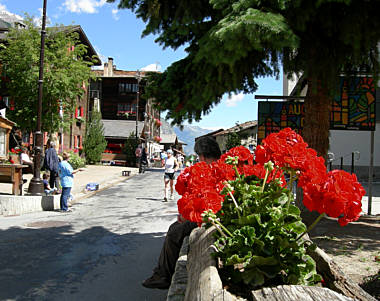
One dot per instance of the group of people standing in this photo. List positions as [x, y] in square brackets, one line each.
[58, 170]
[57, 175]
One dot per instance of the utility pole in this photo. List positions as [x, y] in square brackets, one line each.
[36, 186]
[138, 77]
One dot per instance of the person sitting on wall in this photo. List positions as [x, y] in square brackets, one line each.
[47, 189]
[208, 150]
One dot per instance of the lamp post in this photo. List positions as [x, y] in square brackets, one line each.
[138, 77]
[36, 185]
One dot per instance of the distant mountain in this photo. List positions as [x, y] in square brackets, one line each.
[188, 135]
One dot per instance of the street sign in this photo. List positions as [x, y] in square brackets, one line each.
[277, 115]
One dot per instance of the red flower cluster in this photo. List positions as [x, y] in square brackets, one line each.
[200, 185]
[15, 151]
[337, 193]
[157, 139]
[197, 185]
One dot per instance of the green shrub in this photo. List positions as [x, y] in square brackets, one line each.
[76, 161]
[94, 143]
[130, 148]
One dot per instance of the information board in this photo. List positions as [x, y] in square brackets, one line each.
[354, 108]
[277, 115]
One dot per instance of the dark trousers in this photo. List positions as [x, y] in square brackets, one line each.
[172, 245]
[54, 180]
[64, 197]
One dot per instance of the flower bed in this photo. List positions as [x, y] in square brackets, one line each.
[260, 235]
[112, 157]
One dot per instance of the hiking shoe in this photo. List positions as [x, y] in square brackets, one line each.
[171, 197]
[165, 200]
[156, 281]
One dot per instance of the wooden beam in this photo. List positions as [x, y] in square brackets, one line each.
[284, 97]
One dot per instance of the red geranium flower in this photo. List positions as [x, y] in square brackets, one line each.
[241, 152]
[338, 196]
[191, 206]
[261, 155]
[259, 171]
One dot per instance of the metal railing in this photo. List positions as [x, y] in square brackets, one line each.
[355, 156]
[94, 93]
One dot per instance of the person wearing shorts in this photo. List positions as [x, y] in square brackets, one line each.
[208, 151]
[171, 166]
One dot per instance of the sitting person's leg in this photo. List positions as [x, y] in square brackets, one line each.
[164, 271]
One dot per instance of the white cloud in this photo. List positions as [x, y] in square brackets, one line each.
[38, 20]
[5, 14]
[83, 6]
[233, 100]
[152, 67]
[212, 128]
[114, 14]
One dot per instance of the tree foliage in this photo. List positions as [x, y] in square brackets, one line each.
[94, 142]
[65, 72]
[231, 43]
[130, 148]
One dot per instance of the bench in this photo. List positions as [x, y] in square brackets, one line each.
[12, 173]
[126, 173]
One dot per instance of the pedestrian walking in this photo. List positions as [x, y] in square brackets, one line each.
[138, 153]
[208, 151]
[66, 174]
[143, 161]
[171, 166]
[51, 162]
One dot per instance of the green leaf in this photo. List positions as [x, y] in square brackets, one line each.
[253, 277]
[261, 261]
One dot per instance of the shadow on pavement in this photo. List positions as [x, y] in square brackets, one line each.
[46, 261]
[364, 232]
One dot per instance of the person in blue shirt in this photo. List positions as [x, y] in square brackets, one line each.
[66, 174]
[48, 190]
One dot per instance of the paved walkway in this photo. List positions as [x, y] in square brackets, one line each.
[102, 250]
[105, 175]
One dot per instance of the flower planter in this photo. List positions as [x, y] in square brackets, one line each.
[15, 158]
[111, 156]
[204, 283]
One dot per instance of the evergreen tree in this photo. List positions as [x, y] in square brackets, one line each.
[130, 148]
[94, 143]
[231, 43]
[233, 139]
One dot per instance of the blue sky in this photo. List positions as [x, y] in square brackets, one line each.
[117, 34]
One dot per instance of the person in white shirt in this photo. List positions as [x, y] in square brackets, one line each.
[171, 166]
[25, 159]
